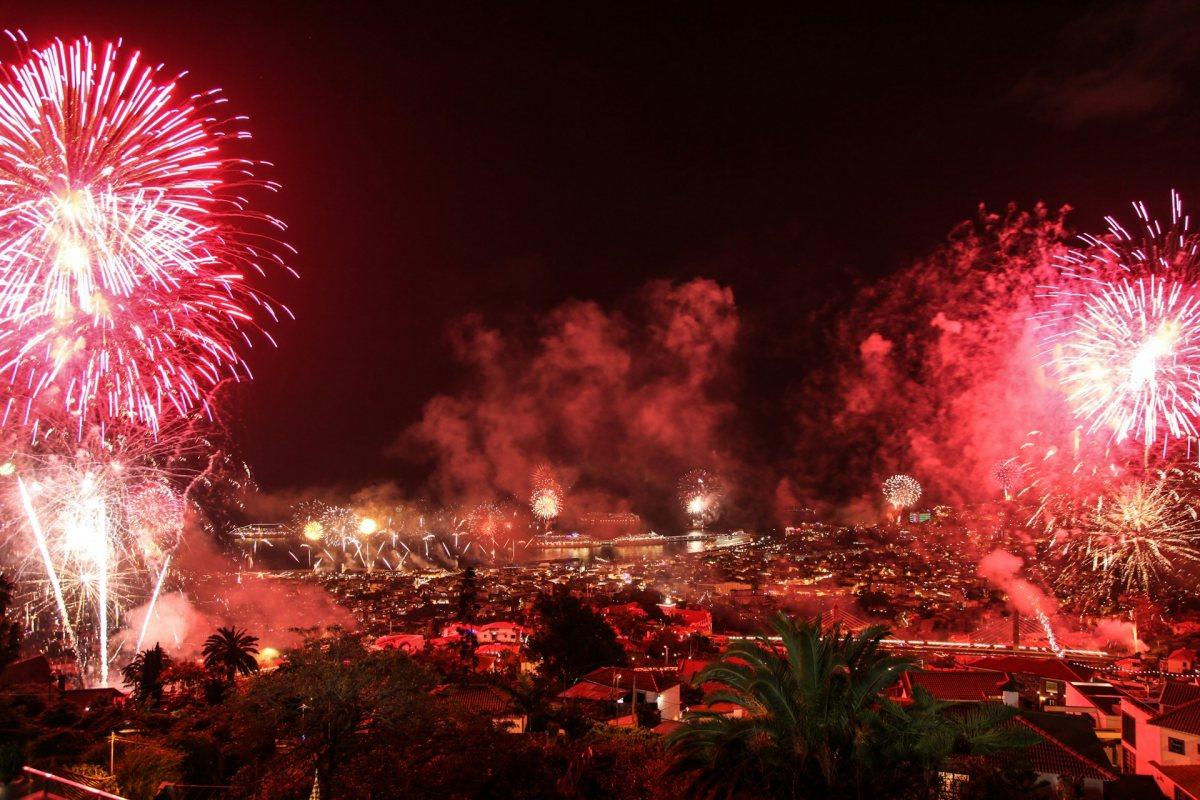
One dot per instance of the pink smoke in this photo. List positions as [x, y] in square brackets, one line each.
[621, 400]
[1000, 568]
[939, 367]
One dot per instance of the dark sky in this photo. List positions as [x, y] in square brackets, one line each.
[443, 158]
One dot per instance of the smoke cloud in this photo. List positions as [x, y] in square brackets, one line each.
[1000, 568]
[618, 399]
[217, 595]
[939, 376]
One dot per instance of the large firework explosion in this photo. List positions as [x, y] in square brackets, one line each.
[1120, 329]
[701, 494]
[124, 245]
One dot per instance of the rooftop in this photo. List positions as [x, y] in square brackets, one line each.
[1184, 718]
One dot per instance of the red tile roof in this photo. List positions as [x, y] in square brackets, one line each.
[691, 667]
[1176, 693]
[1055, 757]
[1185, 776]
[1184, 718]
[485, 699]
[30, 670]
[1054, 669]
[593, 692]
[955, 685]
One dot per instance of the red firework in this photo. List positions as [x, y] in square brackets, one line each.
[1121, 330]
[124, 242]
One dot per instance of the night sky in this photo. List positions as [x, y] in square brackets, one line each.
[440, 159]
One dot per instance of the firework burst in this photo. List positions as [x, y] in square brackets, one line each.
[701, 494]
[1008, 475]
[901, 492]
[546, 499]
[1142, 532]
[93, 526]
[1121, 329]
[125, 242]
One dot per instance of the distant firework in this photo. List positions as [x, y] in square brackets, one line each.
[124, 246]
[700, 494]
[332, 535]
[1141, 534]
[313, 530]
[1007, 475]
[546, 499]
[901, 491]
[1122, 329]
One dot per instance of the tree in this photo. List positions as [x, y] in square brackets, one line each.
[141, 770]
[332, 701]
[147, 673]
[917, 741]
[465, 648]
[468, 596]
[10, 629]
[572, 639]
[191, 683]
[231, 652]
[816, 723]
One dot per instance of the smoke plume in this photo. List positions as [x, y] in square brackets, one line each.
[620, 401]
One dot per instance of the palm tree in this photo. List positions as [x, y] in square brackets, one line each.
[928, 733]
[815, 723]
[231, 652]
[146, 673]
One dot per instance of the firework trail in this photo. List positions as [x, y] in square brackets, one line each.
[1121, 329]
[1064, 483]
[104, 519]
[125, 242]
[701, 494]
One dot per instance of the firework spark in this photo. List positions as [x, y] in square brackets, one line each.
[125, 241]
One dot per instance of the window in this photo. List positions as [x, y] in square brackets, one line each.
[1175, 745]
[1128, 730]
